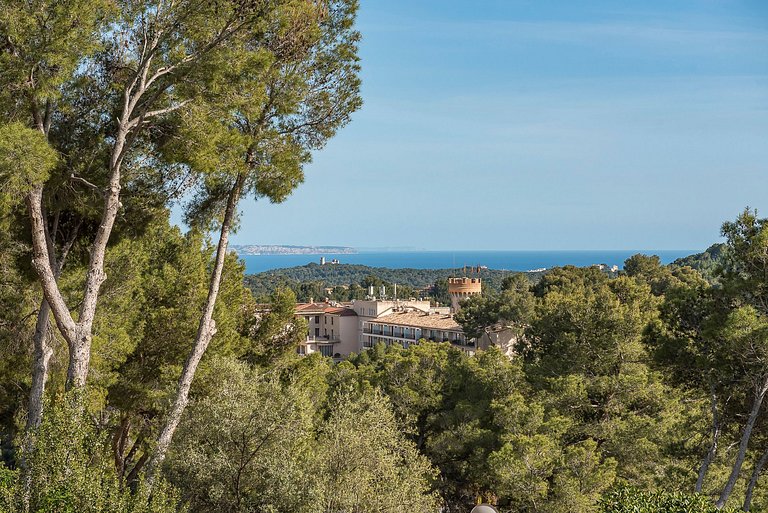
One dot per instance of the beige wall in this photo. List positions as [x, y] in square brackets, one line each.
[340, 330]
[350, 340]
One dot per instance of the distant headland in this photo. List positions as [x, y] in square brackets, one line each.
[253, 249]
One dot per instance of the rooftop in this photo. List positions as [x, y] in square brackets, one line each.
[323, 307]
[341, 310]
[420, 320]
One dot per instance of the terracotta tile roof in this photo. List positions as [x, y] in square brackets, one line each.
[320, 308]
[311, 307]
[341, 311]
[420, 320]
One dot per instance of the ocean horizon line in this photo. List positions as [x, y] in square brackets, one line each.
[511, 260]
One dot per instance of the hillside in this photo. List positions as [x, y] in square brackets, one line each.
[312, 280]
[705, 262]
[343, 275]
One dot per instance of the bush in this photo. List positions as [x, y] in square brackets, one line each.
[69, 470]
[632, 500]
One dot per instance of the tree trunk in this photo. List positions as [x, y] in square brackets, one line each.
[134, 115]
[205, 332]
[713, 447]
[43, 338]
[753, 480]
[760, 391]
[79, 334]
[43, 348]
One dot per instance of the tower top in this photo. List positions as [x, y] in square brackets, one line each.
[462, 288]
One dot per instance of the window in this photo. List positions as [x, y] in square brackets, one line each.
[317, 319]
[326, 350]
[302, 350]
[317, 332]
[371, 312]
[325, 319]
[331, 334]
[331, 321]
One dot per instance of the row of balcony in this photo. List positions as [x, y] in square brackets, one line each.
[367, 342]
[389, 333]
[322, 340]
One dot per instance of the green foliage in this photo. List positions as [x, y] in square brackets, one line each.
[706, 263]
[648, 269]
[244, 445]
[586, 350]
[44, 42]
[359, 276]
[257, 443]
[273, 95]
[513, 307]
[276, 331]
[69, 471]
[364, 464]
[744, 274]
[632, 500]
[26, 160]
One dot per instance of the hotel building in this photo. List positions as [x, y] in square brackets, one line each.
[338, 329]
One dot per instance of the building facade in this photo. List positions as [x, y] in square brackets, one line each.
[332, 330]
[336, 330]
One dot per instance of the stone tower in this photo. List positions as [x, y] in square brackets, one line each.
[462, 288]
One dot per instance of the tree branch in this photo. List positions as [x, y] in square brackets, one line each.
[85, 182]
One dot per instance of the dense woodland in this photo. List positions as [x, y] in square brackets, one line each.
[139, 373]
[347, 282]
[351, 281]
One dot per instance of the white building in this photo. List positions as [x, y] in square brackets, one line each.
[407, 326]
[337, 330]
[332, 330]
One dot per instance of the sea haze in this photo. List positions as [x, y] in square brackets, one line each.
[507, 260]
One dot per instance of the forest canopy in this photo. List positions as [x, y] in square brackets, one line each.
[141, 371]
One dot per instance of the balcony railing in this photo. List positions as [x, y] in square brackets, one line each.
[380, 333]
[322, 340]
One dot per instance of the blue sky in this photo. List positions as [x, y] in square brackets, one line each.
[541, 125]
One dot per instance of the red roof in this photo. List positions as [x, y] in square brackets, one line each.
[343, 312]
[318, 308]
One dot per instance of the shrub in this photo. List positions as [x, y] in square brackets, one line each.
[69, 470]
[632, 500]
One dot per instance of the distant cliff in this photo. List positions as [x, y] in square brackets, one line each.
[253, 249]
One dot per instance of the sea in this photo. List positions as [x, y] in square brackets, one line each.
[502, 260]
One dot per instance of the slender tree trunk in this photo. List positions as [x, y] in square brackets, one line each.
[205, 332]
[43, 339]
[79, 334]
[713, 447]
[753, 480]
[119, 441]
[760, 391]
[135, 113]
[43, 351]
